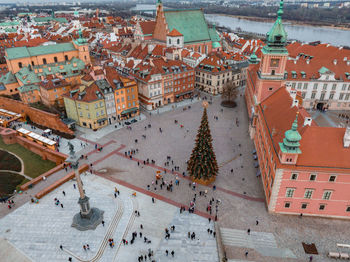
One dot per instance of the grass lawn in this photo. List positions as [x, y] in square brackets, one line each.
[9, 182]
[9, 162]
[33, 164]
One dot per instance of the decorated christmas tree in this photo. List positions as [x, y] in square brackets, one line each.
[202, 166]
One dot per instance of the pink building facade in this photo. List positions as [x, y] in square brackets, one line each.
[305, 168]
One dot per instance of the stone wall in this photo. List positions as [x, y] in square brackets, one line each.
[39, 117]
[10, 136]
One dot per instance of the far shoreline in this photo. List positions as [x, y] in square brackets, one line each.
[291, 22]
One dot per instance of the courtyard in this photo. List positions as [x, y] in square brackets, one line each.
[238, 194]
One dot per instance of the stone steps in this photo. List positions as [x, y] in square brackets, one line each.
[201, 249]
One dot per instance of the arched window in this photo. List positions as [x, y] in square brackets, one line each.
[273, 72]
[55, 59]
[20, 64]
[66, 57]
[44, 61]
[178, 41]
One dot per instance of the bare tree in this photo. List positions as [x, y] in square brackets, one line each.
[229, 91]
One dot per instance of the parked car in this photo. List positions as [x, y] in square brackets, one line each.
[133, 121]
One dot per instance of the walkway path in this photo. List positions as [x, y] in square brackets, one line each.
[264, 243]
[201, 249]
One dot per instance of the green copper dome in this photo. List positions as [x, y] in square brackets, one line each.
[253, 59]
[81, 40]
[291, 139]
[276, 38]
[216, 45]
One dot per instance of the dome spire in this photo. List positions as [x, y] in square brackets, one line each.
[280, 11]
[291, 139]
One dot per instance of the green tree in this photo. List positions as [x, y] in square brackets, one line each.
[202, 164]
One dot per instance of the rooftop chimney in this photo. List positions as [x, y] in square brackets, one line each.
[307, 121]
[295, 103]
[346, 138]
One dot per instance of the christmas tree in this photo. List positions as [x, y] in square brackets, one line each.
[202, 165]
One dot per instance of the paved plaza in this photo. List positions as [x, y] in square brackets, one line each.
[238, 195]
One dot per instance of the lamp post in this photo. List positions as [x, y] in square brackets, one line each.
[87, 218]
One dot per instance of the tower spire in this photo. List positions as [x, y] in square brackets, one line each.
[280, 11]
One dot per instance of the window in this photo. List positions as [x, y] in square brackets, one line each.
[290, 192]
[178, 41]
[287, 205]
[303, 206]
[55, 59]
[325, 86]
[20, 64]
[274, 62]
[294, 176]
[97, 114]
[273, 72]
[341, 96]
[334, 86]
[33, 63]
[96, 105]
[305, 85]
[78, 105]
[101, 104]
[348, 209]
[102, 112]
[299, 85]
[315, 86]
[331, 96]
[66, 57]
[308, 193]
[44, 61]
[322, 207]
[88, 115]
[327, 195]
[313, 95]
[332, 178]
[270, 88]
[81, 114]
[312, 177]
[169, 41]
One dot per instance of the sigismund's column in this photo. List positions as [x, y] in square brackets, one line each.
[88, 218]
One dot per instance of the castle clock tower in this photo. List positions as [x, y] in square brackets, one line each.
[273, 62]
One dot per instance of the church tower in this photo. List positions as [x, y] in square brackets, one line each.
[273, 60]
[83, 47]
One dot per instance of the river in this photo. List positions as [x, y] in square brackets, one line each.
[302, 33]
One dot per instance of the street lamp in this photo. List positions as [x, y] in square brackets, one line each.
[87, 218]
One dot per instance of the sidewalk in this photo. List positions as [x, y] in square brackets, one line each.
[94, 136]
[172, 106]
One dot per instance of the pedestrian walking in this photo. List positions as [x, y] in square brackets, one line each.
[103, 223]
[166, 252]
[248, 231]
[153, 200]
[61, 205]
[246, 253]
[61, 247]
[257, 222]
[172, 253]
[64, 193]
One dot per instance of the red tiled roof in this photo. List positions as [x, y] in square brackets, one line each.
[147, 27]
[175, 33]
[279, 116]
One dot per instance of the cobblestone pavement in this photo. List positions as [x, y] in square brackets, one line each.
[41, 228]
[240, 194]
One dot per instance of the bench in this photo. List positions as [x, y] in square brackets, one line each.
[334, 254]
[344, 256]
